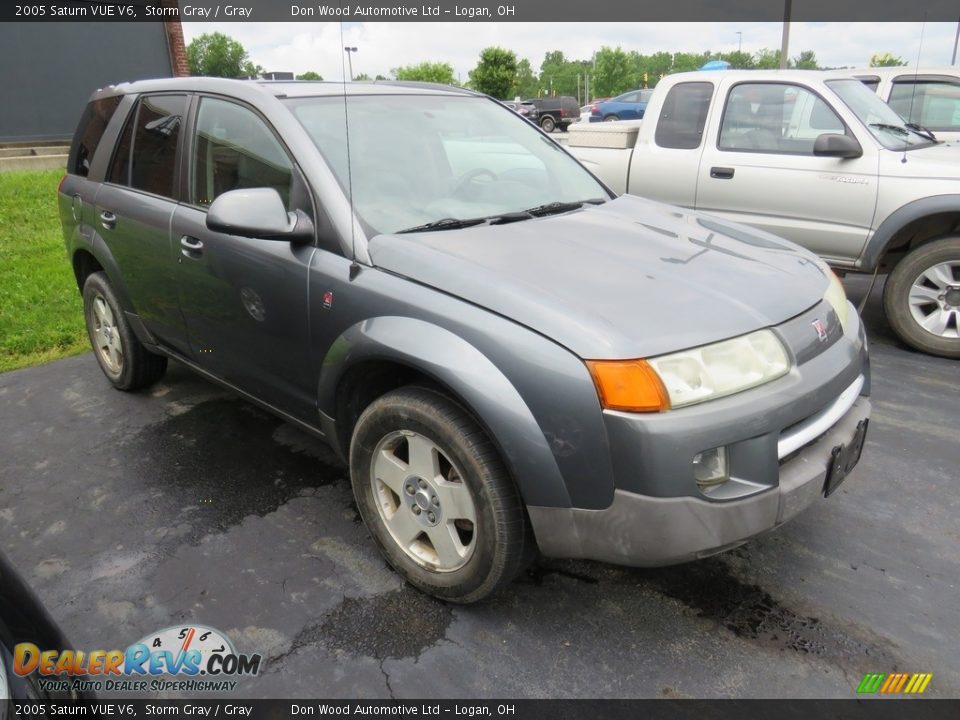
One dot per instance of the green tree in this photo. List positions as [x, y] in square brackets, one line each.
[767, 59]
[361, 76]
[806, 60]
[558, 75]
[886, 60]
[685, 62]
[219, 55]
[310, 75]
[435, 72]
[739, 60]
[615, 72]
[526, 84]
[495, 73]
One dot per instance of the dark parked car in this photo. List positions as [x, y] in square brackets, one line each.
[556, 112]
[508, 356]
[524, 109]
[24, 620]
[628, 106]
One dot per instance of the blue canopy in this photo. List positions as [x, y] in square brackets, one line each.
[716, 65]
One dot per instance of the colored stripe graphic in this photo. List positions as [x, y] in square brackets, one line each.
[895, 683]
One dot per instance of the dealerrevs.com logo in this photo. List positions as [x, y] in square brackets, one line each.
[192, 658]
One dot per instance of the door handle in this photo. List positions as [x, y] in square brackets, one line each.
[108, 219]
[191, 247]
[721, 173]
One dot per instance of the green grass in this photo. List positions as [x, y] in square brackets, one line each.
[41, 314]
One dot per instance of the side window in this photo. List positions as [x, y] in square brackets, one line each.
[92, 125]
[629, 98]
[146, 154]
[683, 116]
[871, 82]
[234, 149]
[934, 105]
[775, 118]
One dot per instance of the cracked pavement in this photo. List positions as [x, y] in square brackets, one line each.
[129, 513]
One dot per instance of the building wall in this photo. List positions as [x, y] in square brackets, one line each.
[50, 70]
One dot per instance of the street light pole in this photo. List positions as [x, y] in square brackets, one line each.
[955, 41]
[350, 51]
[785, 41]
[739, 42]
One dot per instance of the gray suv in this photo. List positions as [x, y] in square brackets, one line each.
[509, 357]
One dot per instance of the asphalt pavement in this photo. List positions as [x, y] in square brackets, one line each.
[129, 513]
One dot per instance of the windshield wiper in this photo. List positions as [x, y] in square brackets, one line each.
[444, 224]
[899, 129]
[558, 207]
[921, 130]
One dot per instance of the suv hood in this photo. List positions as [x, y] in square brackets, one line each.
[626, 279]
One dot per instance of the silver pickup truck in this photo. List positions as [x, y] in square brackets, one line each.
[815, 157]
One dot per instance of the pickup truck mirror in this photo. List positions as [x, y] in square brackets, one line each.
[258, 213]
[836, 145]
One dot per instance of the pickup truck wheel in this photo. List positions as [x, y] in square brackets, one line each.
[436, 496]
[548, 124]
[922, 298]
[122, 357]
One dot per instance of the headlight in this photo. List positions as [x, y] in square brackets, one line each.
[724, 368]
[835, 294]
[690, 376]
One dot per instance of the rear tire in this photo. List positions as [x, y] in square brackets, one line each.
[548, 124]
[611, 118]
[127, 364]
[436, 496]
[922, 298]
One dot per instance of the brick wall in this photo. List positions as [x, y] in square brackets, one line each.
[178, 49]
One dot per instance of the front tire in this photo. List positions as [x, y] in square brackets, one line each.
[127, 364]
[548, 124]
[611, 118]
[922, 298]
[436, 496]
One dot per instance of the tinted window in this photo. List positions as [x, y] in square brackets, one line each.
[683, 115]
[234, 149]
[871, 82]
[156, 127]
[119, 172]
[775, 118]
[934, 105]
[92, 125]
[630, 97]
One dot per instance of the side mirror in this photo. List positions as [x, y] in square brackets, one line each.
[836, 145]
[258, 213]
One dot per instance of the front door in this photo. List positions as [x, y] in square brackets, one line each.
[761, 171]
[244, 299]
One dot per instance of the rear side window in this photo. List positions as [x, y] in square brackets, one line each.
[146, 155]
[92, 125]
[683, 116]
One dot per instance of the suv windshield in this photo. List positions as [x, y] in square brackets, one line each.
[419, 159]
[880, 119]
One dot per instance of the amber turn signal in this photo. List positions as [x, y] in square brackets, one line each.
[629, 385]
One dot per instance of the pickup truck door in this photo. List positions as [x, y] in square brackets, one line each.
[244, 300]
[758, 168]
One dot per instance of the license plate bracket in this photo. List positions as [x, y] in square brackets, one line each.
[843, 458]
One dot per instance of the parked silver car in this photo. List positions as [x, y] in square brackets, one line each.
[508, 356]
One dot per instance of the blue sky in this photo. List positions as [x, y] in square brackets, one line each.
[301, 46]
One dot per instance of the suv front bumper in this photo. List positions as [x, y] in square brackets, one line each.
[642, 530]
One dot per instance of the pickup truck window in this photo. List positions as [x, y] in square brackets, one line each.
[880, 119]
[417, 159]
[684, 115]
[775, 118]
[933, 104]
[233, 149]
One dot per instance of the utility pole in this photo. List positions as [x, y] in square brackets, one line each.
[955, 41]
[350, 51]
[785, 42]
[739, 42]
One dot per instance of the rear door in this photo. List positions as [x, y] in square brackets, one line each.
[244, 300]
[134, 207]
[758, 168]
